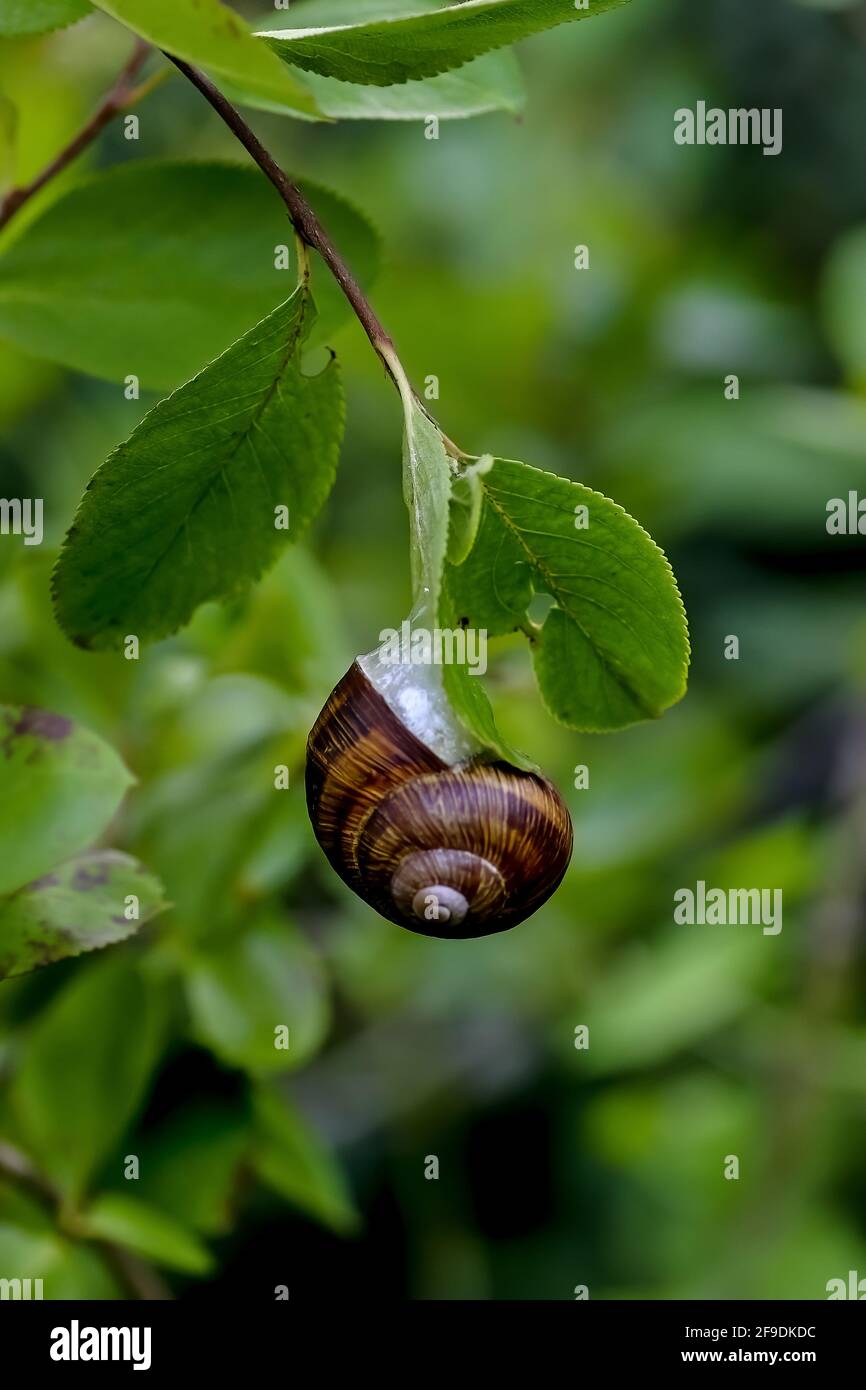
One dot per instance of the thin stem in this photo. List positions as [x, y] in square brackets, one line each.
[304, 219]
[136, 1276]
[121, 95]
[17, 1168]
[388, 354]
[308, 229]
[312, 233]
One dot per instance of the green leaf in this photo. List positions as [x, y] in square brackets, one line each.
[59, 787]
[386, 51]
[152, 269]
[211, 35]
[614, 647]
[206, 820]
[844, 301]
[8, 139]
[291, 1159]
[147, 1231]
[426, 492]
[468, 698]
[464, 516]
[78, 907]
[23, 17]
[184, 510]
[651, 1006]
[86, 1067]
[189, 1165]
[427, 485]
[245, 991]
[67, 1271]
[491, 83]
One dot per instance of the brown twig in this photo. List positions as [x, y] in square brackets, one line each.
[311, 231]
[121, 95]
[307, 225]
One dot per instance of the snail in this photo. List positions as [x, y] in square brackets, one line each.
[416, 820]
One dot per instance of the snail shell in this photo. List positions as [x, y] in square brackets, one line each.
[450, 851]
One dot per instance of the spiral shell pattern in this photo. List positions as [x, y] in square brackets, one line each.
[446, 851]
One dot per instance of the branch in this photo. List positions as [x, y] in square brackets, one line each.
[18, 1169]
[304, 219]
[136, 1276]
[312, 233]
[120, 96]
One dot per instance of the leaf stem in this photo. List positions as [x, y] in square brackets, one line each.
[122, 94]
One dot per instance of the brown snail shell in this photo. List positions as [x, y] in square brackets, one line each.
[447, 851]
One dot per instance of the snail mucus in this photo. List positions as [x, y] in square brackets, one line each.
[416, 819]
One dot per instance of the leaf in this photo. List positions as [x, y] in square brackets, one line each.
[844, 301]
[213, 36]
[190, 1164]
[60, 785]
[78, 907]
[386, 51]
[291, 1159]
[184, 510]
[468, 699]
[246, 989]
[152, 269]
[427, 484]
[651, 1006]
[426, 492]
[23, 17]
[464, 516]
[148, 1231]
[8, 139]
[491, 83]
[215, 809]
[67, 1271]
[86, 1068]
[614, 647]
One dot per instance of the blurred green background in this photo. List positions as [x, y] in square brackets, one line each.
[558, 1167]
